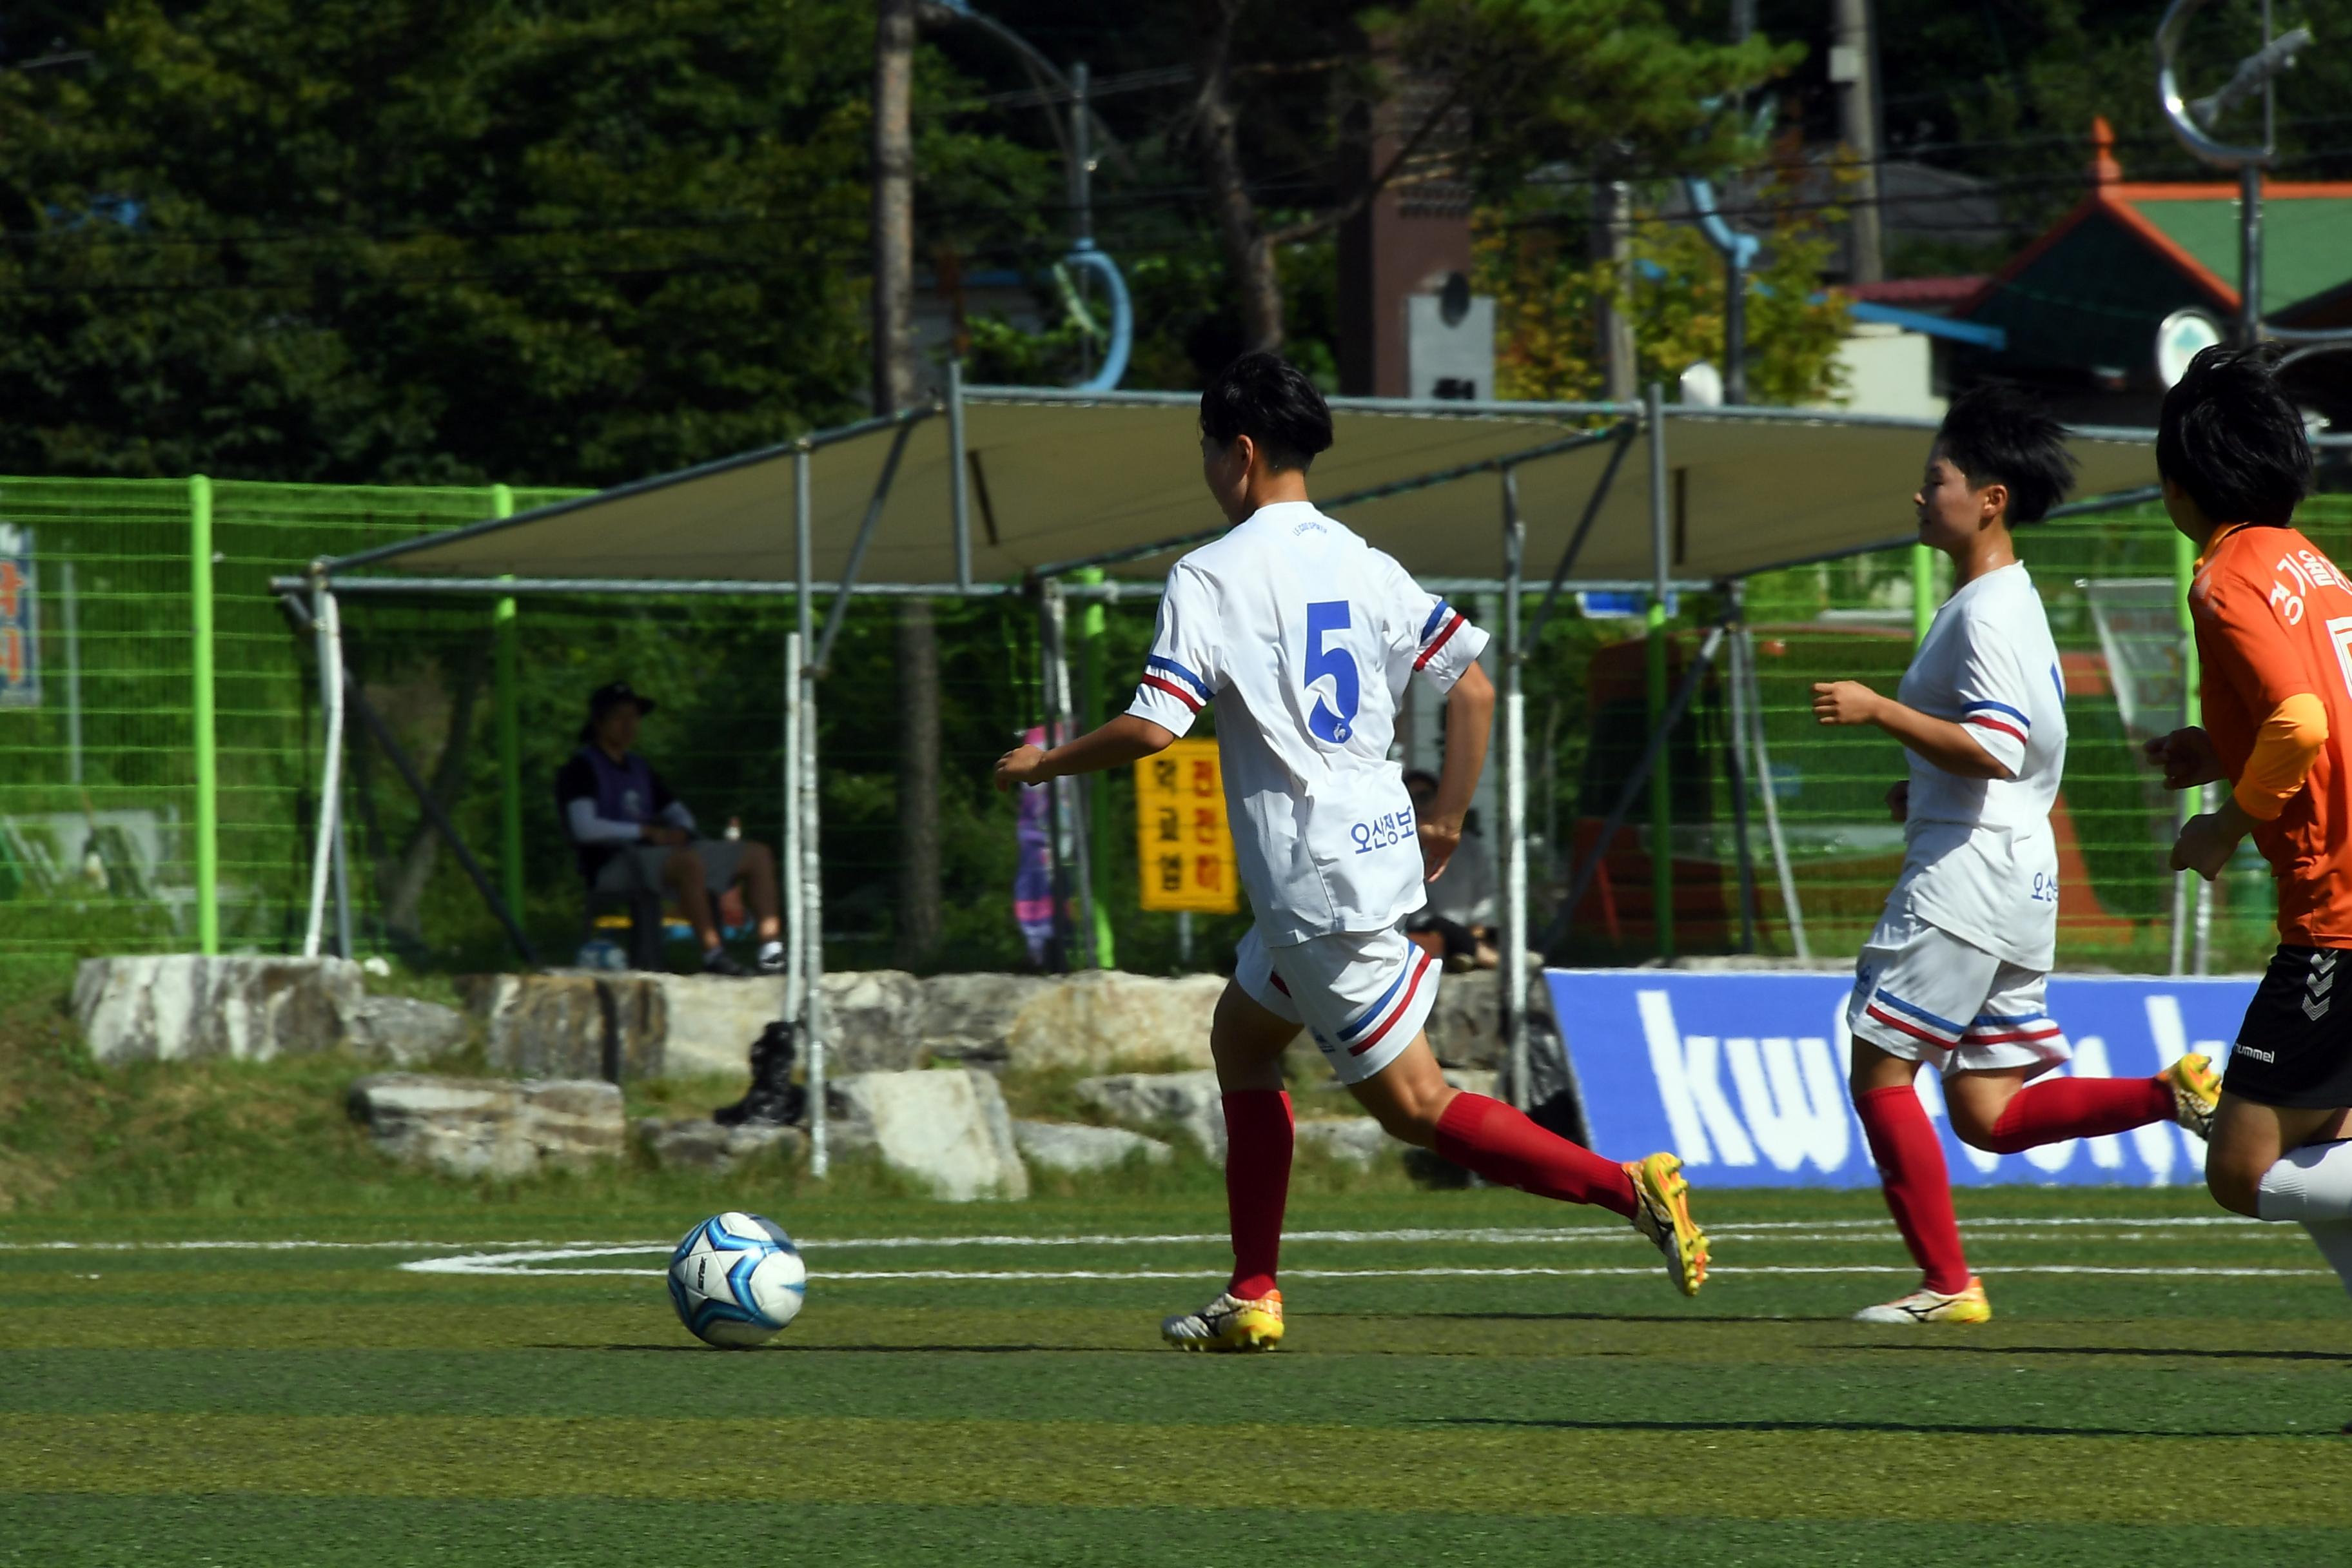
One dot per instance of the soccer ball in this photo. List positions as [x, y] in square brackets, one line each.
[736, 1280]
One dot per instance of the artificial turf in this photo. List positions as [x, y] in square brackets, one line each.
[961, 1388]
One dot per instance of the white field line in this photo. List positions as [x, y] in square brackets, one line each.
[516, 1264]
[1815, 1232]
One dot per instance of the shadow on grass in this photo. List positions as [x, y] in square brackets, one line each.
[1927, 1428]
[867, 1350]
[2159, 1352]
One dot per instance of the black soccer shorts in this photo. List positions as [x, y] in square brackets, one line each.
[2295, 1050]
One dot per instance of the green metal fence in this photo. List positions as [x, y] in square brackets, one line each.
[106, 826]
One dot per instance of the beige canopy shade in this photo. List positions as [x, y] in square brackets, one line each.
[1058, 478]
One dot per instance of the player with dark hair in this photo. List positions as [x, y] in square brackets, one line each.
[2273, 616]
[1954, 973]
[1304, 635]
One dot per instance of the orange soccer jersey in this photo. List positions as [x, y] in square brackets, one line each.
[2273, 623]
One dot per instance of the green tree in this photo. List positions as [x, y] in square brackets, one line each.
[423, 241]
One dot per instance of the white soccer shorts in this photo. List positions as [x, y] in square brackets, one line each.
[1363, 995]
[1925, 995]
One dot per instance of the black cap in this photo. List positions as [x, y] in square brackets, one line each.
[604, 699]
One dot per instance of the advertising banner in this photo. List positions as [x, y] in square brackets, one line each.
[1183, 846]
[1743, 1074]
[20, 625]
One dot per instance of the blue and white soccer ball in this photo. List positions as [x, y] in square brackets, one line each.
[737, 1279]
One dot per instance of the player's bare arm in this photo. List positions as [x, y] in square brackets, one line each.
[1469, 716]
[1947, 745]
[1126, 739]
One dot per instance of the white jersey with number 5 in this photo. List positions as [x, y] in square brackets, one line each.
[1304, 637]
[1979, 860]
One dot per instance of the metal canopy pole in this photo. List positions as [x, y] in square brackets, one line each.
[840, 607]
[1736, 755]
[1662, 799]
[794, 936]
[1061, 837]
[959, 477]
[812, 859]
[1515, 800]
[328, 631]
[1624, 438]
[1744, 648]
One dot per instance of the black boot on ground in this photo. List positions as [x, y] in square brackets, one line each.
[773, 1099]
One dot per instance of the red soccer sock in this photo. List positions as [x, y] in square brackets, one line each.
[1918, 1188]
[1257, 1183]
[1502, 1145]
[2058, 1109]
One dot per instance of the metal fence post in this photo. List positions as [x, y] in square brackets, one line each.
[1923, 592]
[806, 787]
[1662, 797]
[502, 620]
[200, 595]
[2184, 571]
[1515, 800]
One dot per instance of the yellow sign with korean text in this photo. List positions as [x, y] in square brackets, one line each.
[1183, 846]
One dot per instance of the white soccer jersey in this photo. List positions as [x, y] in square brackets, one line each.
[1304, 637]
[1979, 860]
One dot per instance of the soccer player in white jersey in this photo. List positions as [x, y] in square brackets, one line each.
[1953, 975]
[1303, 637]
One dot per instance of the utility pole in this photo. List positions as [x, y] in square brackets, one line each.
[1612, 238]
[894, 206]
[1853, 70]
[893, 389]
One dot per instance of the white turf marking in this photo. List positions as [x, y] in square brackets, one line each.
[520, 1264]
[1816, 1232]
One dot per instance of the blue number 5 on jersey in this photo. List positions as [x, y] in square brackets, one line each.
[1336, 662]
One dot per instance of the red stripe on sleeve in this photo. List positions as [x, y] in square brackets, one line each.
[1439, 641]
[1178, 692]
[1992, 723]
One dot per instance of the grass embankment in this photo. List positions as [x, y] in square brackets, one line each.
[225, 1138]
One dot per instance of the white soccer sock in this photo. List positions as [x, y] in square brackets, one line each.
[770, 949]
[2334, 1238]
[2313, 1183]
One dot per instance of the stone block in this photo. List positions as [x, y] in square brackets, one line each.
[176, 1006]
[1104, 1018]
[971, 1017]
[871, 1021]
[949, 1129]
[407, 1032]
[1191, 1100]
[573, 1023]
[1071, 1148]
[701, 1145]
[710, 1021]
[1356, 1139]
[490, 1127]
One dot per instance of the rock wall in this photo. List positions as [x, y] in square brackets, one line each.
[483, 1127]
[590, 1023]
[181, 1006]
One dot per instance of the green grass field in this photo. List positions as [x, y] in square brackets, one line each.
[1470, 1376]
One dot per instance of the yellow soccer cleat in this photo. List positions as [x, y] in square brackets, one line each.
[2196, 1090]
[1662, 1213]
[1228, 1324]
[1925, 1306]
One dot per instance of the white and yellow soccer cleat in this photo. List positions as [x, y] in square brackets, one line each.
[1925, 1306]
[1228, 1324]
[1662, 1213]
[2196, 1090]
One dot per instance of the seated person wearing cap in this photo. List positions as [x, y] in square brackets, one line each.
[1457, 924]
[633, 835]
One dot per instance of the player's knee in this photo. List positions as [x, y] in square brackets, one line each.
[680, 867]
[1974, 1130]
[754, 855]
[1410, 1114]
[2235, 1182]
